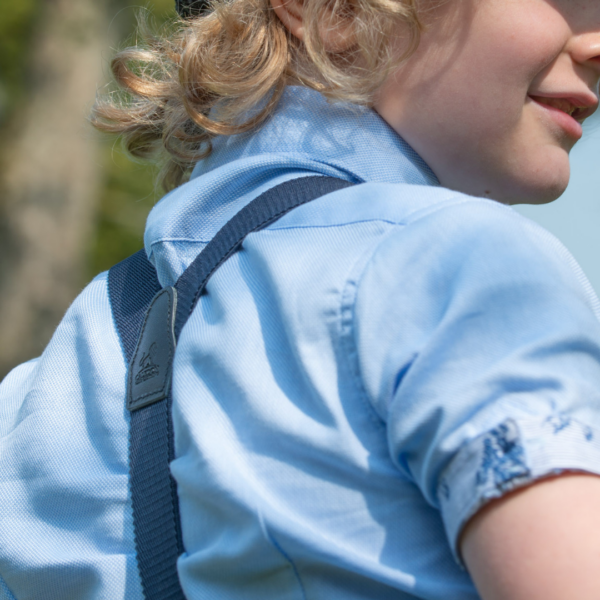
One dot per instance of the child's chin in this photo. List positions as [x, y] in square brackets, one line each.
[541, 194]
[530, 193]
[547, 183]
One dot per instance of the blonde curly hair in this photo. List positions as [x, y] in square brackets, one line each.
[204, 78]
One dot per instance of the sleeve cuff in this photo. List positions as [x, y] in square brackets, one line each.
[512, 455]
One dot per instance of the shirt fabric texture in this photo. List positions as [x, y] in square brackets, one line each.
[360, 378]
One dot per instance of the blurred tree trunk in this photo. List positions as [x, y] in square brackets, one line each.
[51, 179]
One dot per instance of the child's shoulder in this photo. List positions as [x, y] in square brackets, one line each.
[453, 237]
[415, 206]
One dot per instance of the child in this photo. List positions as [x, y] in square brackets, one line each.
[398, 379]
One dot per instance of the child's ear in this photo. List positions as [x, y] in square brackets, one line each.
[290, 14]
[335, 31]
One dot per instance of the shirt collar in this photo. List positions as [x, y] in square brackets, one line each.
[306, 135]
[353, 138]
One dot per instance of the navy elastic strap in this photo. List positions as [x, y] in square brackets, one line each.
[132, 286]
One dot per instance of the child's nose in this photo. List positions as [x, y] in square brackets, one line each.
[585, 49]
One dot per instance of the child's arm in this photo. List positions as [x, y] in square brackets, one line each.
[539, 543]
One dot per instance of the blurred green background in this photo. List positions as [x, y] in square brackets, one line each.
[127, 190]
[71, 202]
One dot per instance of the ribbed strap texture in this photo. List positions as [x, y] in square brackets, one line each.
[132, 285]
[154, 496]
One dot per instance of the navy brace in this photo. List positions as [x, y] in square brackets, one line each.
[149, 321]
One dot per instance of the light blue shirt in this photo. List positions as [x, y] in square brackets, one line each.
[358, 381]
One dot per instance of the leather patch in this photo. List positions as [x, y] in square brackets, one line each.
[150, 369]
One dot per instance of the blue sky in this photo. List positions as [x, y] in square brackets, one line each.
[575, 217]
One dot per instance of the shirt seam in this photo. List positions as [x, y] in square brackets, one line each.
[289, 560]
[288, 228]
[454, 199]
[348, 330]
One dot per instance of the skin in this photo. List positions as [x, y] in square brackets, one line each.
[463, 101]
[471, 103]
[541, 543]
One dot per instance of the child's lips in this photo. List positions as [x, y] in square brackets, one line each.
[579, 108]
[568, 112]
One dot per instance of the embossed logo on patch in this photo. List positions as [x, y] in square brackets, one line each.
[148, 367]
[149, 378]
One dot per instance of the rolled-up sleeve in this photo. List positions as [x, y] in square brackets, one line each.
[478, 344]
